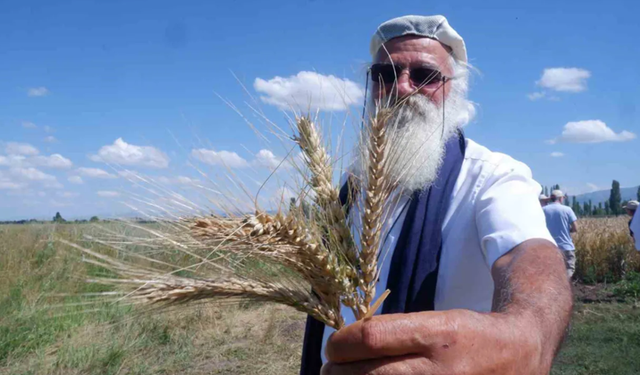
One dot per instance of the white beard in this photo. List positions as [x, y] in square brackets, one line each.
[417, 139]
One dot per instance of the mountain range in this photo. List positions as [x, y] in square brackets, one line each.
[596, 197]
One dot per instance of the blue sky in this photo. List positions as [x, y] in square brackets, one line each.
[85, 82]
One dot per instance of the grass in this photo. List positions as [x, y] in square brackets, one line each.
[604, 339]
[205, 339]
[246, 339]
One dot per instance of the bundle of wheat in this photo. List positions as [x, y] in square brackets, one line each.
[308, 260]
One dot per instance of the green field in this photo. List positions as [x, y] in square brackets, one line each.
[42, 332]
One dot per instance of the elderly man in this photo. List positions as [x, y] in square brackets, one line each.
[477, 283]
[561, 222]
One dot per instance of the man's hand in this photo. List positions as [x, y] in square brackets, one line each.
[532, 306]
[452, 342]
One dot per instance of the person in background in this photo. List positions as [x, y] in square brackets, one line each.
[544, 200]
[634, 223]
[561, 222]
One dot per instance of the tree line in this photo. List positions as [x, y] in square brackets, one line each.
[56, 219]
[611, 207]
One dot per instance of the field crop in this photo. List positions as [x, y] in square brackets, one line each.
[604, 250]
[40, 334]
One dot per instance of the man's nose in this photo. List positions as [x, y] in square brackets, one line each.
[404, 86]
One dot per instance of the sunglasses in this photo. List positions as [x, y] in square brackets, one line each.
[388, 73]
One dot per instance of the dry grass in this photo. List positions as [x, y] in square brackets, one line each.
[114, 339]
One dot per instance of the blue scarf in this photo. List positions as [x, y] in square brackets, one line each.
[414, 264]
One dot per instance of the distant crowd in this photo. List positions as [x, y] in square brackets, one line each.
[562, 221]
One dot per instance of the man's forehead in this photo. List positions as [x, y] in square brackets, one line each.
[413, 49]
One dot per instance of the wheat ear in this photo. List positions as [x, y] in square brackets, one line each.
[327, 195]
[286, 241]
[335, 229]
[376, 193]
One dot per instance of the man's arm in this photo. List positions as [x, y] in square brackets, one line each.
[531, 311]
[531, 280]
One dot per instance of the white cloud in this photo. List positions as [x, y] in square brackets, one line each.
[67, 194]
[16, 148]
[226, 158]
[38, 91]
[180, 180]
[31, 174]
[309, 90]
[95, 173]
[9, 183]
[108, 193]
[591, 131]
[564, 79]
[52, 161]
[557, 154]
[12, 160]
[184, 180]
[266, 158]
[28, 125]
[35, 175]
[121, 152]
[593, 187]
[56, 203]
[75, 180]
[129, 175]
[48, 129]
[50, 139]
[536, 95]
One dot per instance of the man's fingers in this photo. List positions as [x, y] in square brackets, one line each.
[405, 365]
[391, 335]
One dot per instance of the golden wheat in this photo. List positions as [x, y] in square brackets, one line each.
[307, 260]
[604, 251]
[377, 193]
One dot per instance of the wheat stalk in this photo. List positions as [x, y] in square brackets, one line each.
[326, 194]
[150, 286]
[334, 222]
[375, 196]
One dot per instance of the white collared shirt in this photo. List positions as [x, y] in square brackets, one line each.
[494, 207]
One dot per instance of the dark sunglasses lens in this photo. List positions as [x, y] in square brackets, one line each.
[425, 76]
[386, 73]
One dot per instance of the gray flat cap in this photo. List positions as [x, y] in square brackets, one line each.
[434, 27]
[631, 205]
